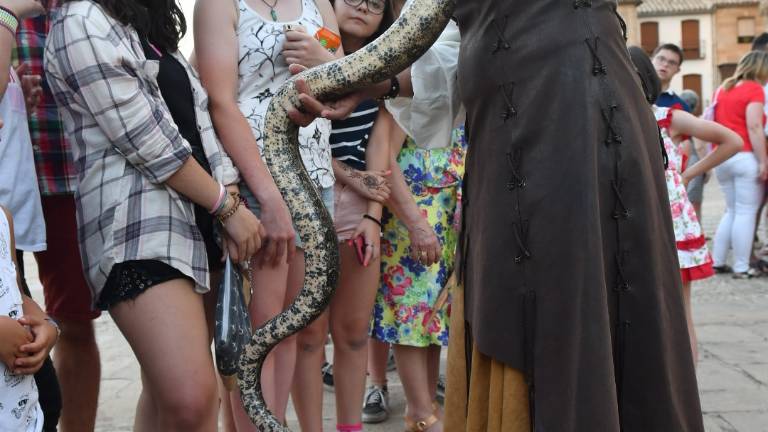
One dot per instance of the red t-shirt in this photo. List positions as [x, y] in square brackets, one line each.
[731, 108]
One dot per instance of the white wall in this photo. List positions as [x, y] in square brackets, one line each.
[187, 43]
[670, 31]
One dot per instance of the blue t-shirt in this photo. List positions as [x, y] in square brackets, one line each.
[349, 137]
[668, 99]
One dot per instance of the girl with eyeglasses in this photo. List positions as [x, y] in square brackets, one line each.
[243, 48]
[360, 148]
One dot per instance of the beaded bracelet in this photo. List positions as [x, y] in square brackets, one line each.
[9, 20]
[238, 201]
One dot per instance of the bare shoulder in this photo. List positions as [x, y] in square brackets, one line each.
[216, 11]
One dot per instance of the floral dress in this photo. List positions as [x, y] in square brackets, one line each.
[411, 306]
[692, 252]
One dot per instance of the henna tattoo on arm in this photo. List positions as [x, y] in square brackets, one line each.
[369, 181]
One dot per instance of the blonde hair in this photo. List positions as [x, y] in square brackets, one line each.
[753, 66]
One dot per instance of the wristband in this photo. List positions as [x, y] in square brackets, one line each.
[219, 202]
[394, 89]
[9, 20]
[371, 218]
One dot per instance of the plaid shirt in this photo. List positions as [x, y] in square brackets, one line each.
[53, 158]
[126, 146]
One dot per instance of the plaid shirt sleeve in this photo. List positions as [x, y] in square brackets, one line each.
[107, 85]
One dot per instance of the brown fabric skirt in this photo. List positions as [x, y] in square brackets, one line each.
[497, 398]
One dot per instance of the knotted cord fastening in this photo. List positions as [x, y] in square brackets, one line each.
[521, 233]
[501, 42]
[577, 4]
[611, 135]
[624, 213]
[516, 180]
[622, 283]
[508, 92]
[598, 68]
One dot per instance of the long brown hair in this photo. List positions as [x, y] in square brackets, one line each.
[161, 21]
[753, 66]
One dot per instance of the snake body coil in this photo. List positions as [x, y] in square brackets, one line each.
[406, 40]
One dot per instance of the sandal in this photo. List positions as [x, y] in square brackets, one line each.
[749, 274]
[421, 425]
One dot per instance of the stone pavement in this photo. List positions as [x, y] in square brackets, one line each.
[731, 320]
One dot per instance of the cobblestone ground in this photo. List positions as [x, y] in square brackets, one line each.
[731, 320]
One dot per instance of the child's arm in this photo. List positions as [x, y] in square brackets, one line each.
[13, 335]
[369, 184]
[377, 160]
[729, 142]
[33, 351]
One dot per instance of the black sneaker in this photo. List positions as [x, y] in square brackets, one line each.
[440, 395]
[723, 269]
[376, 404]
[327, 371]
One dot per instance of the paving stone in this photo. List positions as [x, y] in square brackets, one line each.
[748, 421]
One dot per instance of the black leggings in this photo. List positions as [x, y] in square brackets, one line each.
[46, 380]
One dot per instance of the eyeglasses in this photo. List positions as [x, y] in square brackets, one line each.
[663, 60]
[375, 7]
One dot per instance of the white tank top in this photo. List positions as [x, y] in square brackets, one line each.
[19, 192]
[262, 69]
[19, 408]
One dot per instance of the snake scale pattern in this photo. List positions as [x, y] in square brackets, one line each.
[406, 40]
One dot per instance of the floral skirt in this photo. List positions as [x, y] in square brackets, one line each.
[410, 307]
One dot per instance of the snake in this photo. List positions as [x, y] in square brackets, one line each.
[407, 39]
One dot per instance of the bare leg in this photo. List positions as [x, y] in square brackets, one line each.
[689, 320]
[269, 287]
[351, 310]
[285, 353]
[146, 410]
[307, 392]
[412, 367]
[697, 209]
[378, 352]
[225, 409]
[77, 363]
[166, 329]
[433, 369]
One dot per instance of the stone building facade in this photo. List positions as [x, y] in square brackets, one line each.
[713, 34]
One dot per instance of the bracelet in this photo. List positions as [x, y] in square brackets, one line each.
[238, 200]
[55, 325]
[219, 202]
[371, 218]
[9, 20]
[394, 89]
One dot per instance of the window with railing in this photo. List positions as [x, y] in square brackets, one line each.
[649, 36]
[691, 44]
[746, 30]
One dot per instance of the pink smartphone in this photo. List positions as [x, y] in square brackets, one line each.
[359, 245]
